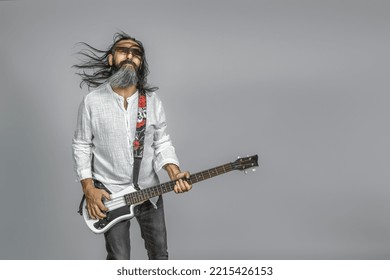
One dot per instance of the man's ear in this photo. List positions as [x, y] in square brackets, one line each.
[110, 58]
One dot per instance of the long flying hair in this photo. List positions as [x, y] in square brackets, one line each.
[95, 70]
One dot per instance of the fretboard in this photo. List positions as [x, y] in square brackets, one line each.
[145, 194]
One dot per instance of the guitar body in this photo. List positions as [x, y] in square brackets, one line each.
[118, 210]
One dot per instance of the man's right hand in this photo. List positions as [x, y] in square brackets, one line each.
[94, 198]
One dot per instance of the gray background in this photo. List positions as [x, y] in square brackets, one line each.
[304, 84]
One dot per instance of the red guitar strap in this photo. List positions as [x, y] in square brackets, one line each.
[138, 143]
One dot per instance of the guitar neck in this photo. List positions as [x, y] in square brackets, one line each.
[145, 194]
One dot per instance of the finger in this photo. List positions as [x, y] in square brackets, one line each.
[94, 210]
[99, 214]
[101, 206]
[183, 185]
[182, 175]
[90, 212]
[187, 186]
[106, 195]
[99, 202]
[177, 188]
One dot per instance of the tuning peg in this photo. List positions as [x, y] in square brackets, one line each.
[238, 157]
[246, 172]
[254, 170]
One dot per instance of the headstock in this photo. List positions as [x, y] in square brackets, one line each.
[245, 163]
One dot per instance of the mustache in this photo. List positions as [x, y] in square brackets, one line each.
[127, 62]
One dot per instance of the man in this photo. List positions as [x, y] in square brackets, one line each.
[104, 142]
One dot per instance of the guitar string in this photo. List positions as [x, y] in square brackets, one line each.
[140, 196]
[145, 194]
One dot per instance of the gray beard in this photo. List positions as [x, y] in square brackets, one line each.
[123, 78]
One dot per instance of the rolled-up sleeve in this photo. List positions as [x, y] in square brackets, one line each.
[163, 147]
[82, 144]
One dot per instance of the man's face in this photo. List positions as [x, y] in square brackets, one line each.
[125, 60]
[126, 52]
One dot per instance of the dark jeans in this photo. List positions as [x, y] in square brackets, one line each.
[153, 231]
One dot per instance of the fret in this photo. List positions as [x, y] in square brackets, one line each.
[127, 200]
[210, 173]
[131, 199]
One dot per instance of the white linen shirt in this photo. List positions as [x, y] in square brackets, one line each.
[102, 143]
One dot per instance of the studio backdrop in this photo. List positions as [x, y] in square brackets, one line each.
[303, 84]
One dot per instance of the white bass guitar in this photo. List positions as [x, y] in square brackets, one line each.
[121, 206]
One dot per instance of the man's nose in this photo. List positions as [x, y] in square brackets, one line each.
[129, 55]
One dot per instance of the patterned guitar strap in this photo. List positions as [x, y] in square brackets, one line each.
[138, 143]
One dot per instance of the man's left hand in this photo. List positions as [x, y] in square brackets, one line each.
[182, 184]
[174, 173]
